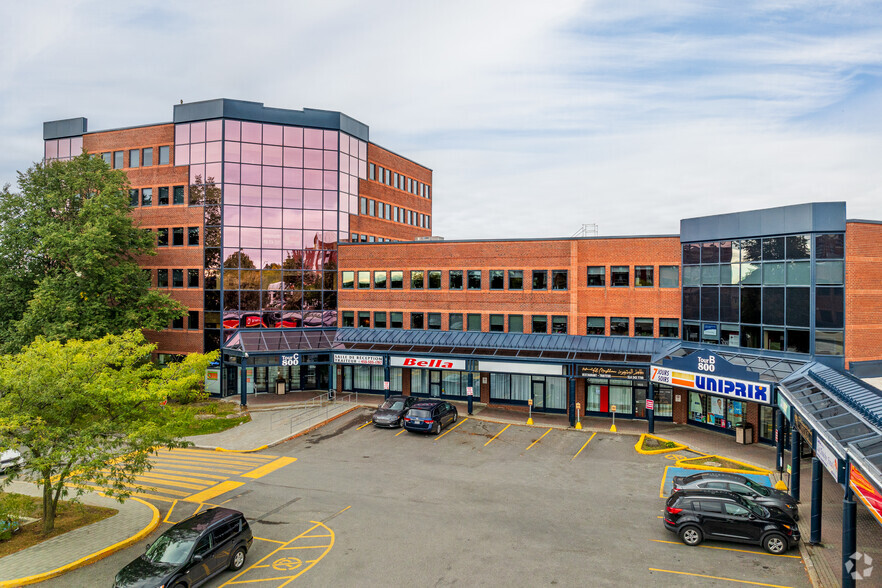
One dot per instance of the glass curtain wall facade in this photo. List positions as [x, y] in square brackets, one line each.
[782, 293]
[277, 200]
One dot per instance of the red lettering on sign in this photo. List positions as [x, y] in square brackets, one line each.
[430, 363]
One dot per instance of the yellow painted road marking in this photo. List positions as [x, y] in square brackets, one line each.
[538, 440]
[732, 549]
[586, 444]
[496, 435]
[212, 454]
[214, 491]
[186, 466]
[173, 484]
[661, 490]
[270, 540]
[453, 427]
[363, 426]
[210, 459]
[180, 471]
[270, 467]
[178, 478]
[401, 431]
[718, 578]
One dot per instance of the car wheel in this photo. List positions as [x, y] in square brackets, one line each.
[691, 535]
[775, 543]
[180, 585]
[438, 428]
[455, 415]
[238, 559]
[401, 422]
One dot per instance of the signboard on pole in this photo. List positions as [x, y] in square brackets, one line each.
[828, 458]
[385, 385]
[649, 403]
[470, 391]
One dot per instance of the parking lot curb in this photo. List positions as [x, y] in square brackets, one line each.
[261, 448]
[92, 558]
[638, 446]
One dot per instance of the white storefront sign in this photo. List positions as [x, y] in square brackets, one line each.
[358, 359]
[828, 458]
[511, 367]
[428, 362]
[705, 382]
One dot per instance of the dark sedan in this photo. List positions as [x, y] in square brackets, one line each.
[391, 412]
[768, 497]
[430, 416]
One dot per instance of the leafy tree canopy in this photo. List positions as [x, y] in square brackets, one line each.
[88, 412]
[68, 257]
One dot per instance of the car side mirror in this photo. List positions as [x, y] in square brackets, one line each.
[752, 517]
[197, 558]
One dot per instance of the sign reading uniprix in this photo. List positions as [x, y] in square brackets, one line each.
[711, 384]
[428, 362]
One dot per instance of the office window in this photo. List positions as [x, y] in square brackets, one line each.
[388, 212]
[388, 175]
[416, 279]
[558, 279]
[596, 325]
[669, 276]
[396, 280]
[372, 171]
[146, 196]
[379, 320]
[669, 328]
[515, 323]
[434, 279]
[364, 319]
[455, 280]
[348, 318]
[396, 320]
[643, 327]
[178, 195]
[119, 159]
[147, 157]
[177, 278]
[559, 325]
[162, 197]
[364, 280]
[540, 279]
[473, 322]
[497, 323]
[380, 280]
[515, 279]
[596, 275]
[619, 326]
[497, 279]
[164, 155]
[540, 324]
[416, 320]
[830, 247]
[395, 180]
[192, 319]
[162, 278]
[643, 276]
[107, 157]
[133, 196]
[455, 322]
[371, 210]
[363, 205]
[193, 236]
[347, 282]
[434, 320]
[134, 157]
[474, 279]
[618, 276]
[162, 237]
[178, 323]
[192, 278]
[178, 237]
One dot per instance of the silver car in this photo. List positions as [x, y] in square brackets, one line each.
[391, 412]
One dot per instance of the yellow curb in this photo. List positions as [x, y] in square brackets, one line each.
[261, 448]
[748, 469]
[90, 558]
[638, 446]
[312, 428]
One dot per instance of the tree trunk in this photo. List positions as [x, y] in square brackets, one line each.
[50, 502]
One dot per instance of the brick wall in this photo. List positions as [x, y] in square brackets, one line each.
[863, 292]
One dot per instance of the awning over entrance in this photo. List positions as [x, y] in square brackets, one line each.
[268, 341]
[770, 368]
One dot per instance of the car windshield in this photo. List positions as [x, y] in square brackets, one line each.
[172, 547]
[393, 404]
[761, 490]
[755, 508]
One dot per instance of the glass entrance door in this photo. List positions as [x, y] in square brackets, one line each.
[639, 401]
[434, 384]
[538, 394]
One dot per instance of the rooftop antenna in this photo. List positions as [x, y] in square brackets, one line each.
[588, 230]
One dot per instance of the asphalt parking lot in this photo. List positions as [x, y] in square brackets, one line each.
[483, 504]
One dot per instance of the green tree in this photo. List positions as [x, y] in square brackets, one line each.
[88, 412]
[68, 267]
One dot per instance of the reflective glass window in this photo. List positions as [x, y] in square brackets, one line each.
[177, 278]
[751, 305]
[416, 279]
[162, 237]
[147, 157]
[798, 340]
[643, 276]
[773, 307]
[691, 332]
[134, 157]
[178, 195]
[829, 343]
[455, 280]
[118, 159]
[751, 249]
[691, 253]
[540, 279]
[193, 319]
[725, 251]
[559, 325]
[798, 247]
[751, 273]
[596, 275]
[691, 303]
[434, 279]
[162, 196]
[164, 155]
[773, 248]
[539, 324]
[178, 236]
[710, 305]
[515, 279]
[515, 323]
[830, 246]
[619, 276]
[798, 312]
[146, 196]
[396, 280]
[692, 275]
[364, 280]
[559, 279]
[619, 325]
[193, 236]
[434, 320]
[668, 328]
[497, 323]
[379, 320]
[133, 197]
[380, 279]
[473, 322]
[669, 276]
[799, 273]
[193, 278]
[497, 279]
[455, 321]
[348, 319]
[829, 307]
[774, 273]
[162, 278]
[710, 275]
[364, 319]
[829, 272]
[348, 280]
[729, 304]
[595, 325]
[750, 336]
[474, 279]
[396, 320]
[710, 253]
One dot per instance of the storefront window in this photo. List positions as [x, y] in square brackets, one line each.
[620, 396]
[767, 423]
[419, 382]
[663, 404]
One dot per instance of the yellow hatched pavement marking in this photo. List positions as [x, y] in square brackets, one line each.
[537, 440]
[453, 427]
[173, 483]
[214, 491]
[202, 467]
[213, 455]
[270, 563]
[270, 467]
[180, 471]
[207, 460]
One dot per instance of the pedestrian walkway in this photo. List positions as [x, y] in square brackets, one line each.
[135, 520]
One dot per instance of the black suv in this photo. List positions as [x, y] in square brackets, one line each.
[696, 515]
[763, 495]
[430, 416]
[191, 552]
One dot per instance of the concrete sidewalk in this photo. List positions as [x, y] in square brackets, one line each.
[80, 547]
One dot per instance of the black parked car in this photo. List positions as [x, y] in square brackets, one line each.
[739, 484]
[391, 412]
[191, 552]
[430, 416]
[696, 515]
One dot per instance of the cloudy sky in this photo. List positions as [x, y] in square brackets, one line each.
[536, 117]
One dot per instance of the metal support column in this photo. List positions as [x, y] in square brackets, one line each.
[650, 412]
[849, 532]
[243, 381]
[794, 463]
[817, 495]
[572, 402]
[387, 382]
[472, 395]
[779, 441]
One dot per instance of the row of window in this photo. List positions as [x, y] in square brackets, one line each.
[772, 338]
[830, 246]
[595, 325]
[177, 277]
[791, 273]
[395, 214]
[644, 276]
[398, 181]
[192, 321]
[177, 236]
[165, 195]
[361, 238]
[472, 279]
[133, 158]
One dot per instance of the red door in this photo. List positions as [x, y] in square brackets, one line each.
[604, 399]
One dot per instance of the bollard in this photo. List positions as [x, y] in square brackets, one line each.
[612, 429]
[578, 415]
[530, 413]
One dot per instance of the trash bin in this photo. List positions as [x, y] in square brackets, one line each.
[280, 386]
[744, 434]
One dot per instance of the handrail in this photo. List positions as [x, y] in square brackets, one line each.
[312, 410]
